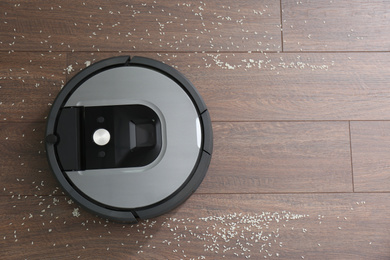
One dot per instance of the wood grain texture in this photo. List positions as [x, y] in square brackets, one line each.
[299, 169]
[23, 163]
[29, 82]
[311, 226]
[371, 155]
[249, 87]
[279, 157]
[140, 25]
[336, 25]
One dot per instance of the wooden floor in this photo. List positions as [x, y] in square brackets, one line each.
[299, 96]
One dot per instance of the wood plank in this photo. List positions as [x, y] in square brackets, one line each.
[24, 167]
[371, 155]
[248, 158]
[29, 82]
[325, 25]
[255, 86]
[145, 25]
[279, 157]
[308, 226]
[350, 86]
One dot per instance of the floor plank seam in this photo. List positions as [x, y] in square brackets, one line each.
[197, 51]
[281, 25]
[350, 150]
[218, 194]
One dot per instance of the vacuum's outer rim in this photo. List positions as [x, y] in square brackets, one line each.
[77, 80]
[167, 204]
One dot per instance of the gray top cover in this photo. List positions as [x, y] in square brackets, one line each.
[181, 137]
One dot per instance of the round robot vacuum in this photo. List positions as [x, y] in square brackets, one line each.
[129, 138]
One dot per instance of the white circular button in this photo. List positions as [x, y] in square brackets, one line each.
[101, 137]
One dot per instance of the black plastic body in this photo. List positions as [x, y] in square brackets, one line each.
[69, 143]
[52, 140]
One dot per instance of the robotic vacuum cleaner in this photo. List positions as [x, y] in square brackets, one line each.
[129, 138]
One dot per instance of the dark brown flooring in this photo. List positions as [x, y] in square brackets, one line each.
[299, 96]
